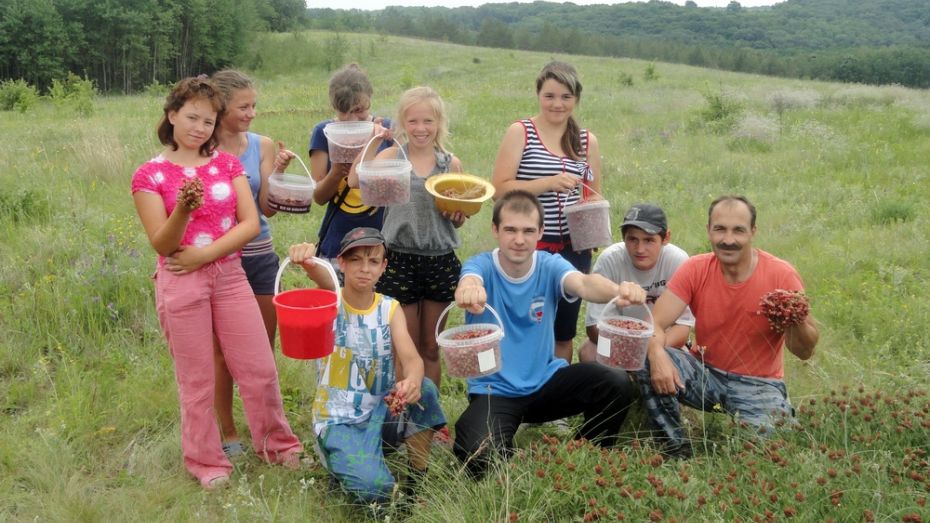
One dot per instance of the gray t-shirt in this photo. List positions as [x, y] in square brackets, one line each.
[615, 264]
[417, 227]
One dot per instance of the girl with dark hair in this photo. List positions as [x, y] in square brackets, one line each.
[553, 158]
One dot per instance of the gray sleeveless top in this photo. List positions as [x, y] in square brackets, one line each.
[417, 227]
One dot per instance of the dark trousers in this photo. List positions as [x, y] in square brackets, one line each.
[489, 422]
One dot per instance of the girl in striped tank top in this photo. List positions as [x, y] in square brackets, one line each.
[550, 155]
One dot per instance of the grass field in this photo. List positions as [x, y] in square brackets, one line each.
[88, 404]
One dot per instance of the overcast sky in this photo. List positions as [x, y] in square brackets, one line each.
[381, 4]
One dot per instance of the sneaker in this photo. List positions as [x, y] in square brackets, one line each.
[233, 449]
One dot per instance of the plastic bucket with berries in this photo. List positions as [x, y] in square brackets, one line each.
[622, 341]
[589, 224]
[345, 139]
[384, 182]
[471, 350]
[306, 317]
[291, 192]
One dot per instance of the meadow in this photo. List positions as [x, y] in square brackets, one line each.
[88, 404]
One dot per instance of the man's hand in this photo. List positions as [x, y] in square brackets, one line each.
[630, 293]
[665, 377]
[470, 295]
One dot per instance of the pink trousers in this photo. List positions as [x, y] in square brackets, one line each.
[191, 308]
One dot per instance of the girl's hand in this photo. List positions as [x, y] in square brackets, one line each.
[457, 218]
[302, 254]
[562, 182]
[185, 260]
[282, 159]
[382, 133]
[410, 390]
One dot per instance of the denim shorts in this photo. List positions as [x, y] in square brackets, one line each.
[261, 270]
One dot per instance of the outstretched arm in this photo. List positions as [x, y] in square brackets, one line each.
[302, 254]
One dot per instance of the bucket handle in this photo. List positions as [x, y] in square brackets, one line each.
[447, 309]
[372, 139]
[613, 301]
[302, 164]
[332, 273]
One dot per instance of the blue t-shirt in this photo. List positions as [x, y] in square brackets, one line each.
[252, 161]
[351, 212]
[527, 309]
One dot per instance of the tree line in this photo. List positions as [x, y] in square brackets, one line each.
[124, 45]
[877, 42]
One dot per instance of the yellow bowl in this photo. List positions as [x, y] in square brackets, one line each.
[475, 189]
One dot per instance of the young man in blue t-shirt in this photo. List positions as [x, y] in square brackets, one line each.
[524, 286]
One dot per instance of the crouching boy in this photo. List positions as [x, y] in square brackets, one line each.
[374, 355]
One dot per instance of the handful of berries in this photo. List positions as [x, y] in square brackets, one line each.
[396, 402]
[784, 308]
[190, 194]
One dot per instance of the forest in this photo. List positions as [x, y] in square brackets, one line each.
[127, 45]
[875, 42]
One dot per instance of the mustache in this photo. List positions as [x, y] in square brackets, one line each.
[728, 246]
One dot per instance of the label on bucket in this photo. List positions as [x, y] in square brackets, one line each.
[603, 346]
[486, 360]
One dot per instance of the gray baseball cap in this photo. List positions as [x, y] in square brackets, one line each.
[647, 217]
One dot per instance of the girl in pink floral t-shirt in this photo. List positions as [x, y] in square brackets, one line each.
[200, 287]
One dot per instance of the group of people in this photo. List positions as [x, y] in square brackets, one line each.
[398, 271]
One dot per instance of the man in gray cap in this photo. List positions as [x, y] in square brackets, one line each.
[646, 257]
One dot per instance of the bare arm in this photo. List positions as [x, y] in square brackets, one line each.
[327, 182]
[411, 365]
[302, 254]
[599, 289]
[189, 258]
[164, 232]
[379, 135]
[677, 335]
[508, 159]
[665, 378]
[594, 160]
[268, 155]
[802, 338]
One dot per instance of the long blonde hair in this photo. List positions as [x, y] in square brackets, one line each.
[414, 96]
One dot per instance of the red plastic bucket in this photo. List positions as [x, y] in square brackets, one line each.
[306, 318]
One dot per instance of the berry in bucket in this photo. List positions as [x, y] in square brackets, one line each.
[589, 224]
[622, 341]
[473, 350]
[346, 139]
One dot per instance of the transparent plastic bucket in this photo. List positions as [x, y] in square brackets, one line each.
[307, 317]
[384, 182]
[623, 341]
[589, 224]
[472, 350]
[346, 139]
[291, 192]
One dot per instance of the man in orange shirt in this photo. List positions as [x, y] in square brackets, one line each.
[736, 363]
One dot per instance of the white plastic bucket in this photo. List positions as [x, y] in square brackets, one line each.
[346, 139]
[623, 341]
[384, 182]
[291, 192]
[472, 350]
[589, 224]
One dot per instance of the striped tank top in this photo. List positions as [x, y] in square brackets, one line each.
[537, 162]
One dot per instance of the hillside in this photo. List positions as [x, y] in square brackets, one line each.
[886, 41]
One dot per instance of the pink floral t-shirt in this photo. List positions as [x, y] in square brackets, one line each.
[217, 214]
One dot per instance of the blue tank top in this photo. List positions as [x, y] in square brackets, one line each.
[252, 160]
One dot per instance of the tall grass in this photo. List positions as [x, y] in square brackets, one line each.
[87, 396]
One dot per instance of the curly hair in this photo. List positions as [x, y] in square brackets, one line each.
[187, 89]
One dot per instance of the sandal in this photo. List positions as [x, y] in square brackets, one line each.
[233, 449]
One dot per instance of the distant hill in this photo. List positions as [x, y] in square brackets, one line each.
[875, 41]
